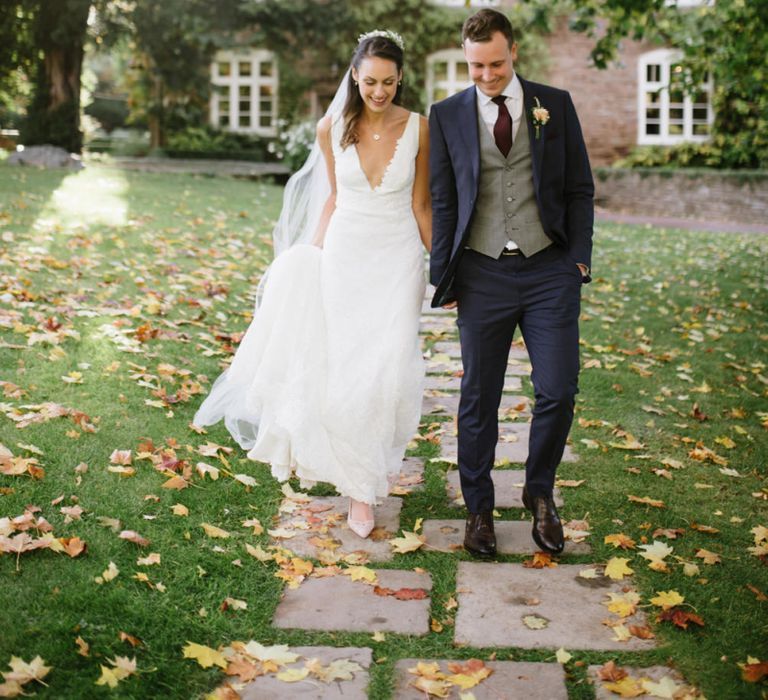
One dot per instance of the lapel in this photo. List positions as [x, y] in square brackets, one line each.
[467, 126]
[537, 144]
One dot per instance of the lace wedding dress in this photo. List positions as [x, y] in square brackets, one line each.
[327, 381]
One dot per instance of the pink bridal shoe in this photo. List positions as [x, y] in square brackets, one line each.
[362, 528]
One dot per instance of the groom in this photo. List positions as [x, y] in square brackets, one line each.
[512, 202]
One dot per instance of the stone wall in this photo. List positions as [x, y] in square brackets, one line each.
[693, 194]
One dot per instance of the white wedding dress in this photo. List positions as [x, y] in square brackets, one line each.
[327, 381]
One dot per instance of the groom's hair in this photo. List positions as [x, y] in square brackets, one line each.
[481, 27]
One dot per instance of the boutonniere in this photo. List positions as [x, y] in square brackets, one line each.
[540, 116]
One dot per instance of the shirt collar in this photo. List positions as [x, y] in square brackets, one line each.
[514, 90]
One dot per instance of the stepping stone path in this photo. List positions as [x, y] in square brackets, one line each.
[538, 604]
[656, 674]
[339, 603]
[269, 687]
[510, 680]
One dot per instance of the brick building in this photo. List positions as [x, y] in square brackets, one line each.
[633, 103]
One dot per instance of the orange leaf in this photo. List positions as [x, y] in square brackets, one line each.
[752, 673]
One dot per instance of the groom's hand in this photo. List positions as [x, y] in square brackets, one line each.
[451, 305]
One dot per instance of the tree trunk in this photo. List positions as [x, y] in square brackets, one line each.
[54, 113]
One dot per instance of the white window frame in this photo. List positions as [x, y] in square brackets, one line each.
[451, 84]
[234, 81]
[665, 59]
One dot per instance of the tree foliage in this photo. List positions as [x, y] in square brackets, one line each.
[727, 40]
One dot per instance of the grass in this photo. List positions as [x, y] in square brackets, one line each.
[673, 335]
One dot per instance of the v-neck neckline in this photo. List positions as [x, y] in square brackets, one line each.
[389, 162]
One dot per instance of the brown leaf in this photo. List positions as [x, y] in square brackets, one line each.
[73, 546]
[680, 618]
[752, 673]
[135, 537]
[541, 560]
[609, 671]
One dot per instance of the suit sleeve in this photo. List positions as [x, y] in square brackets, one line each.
[444, 201]
[579, 190]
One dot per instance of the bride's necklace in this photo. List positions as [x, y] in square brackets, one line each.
[377, 137]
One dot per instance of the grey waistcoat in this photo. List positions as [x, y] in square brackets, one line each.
[506, 203]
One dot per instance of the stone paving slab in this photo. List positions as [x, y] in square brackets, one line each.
[337, 603]
[507, 485]
[452, 382]
[324, 520]
[510, 680]
[512, 446]
[653, 673]
[512, 406]
[495, 598]
[512, 537]
[453, 349]
[438, 325]
[268, 687]
[411, 477]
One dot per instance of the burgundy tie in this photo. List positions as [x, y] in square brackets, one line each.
[502, 129]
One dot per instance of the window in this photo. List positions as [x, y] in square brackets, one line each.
[447, 74]
[666, 115]
[244, 94]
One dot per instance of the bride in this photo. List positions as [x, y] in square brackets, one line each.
[327, 382]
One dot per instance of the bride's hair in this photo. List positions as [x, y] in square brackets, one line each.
[379, 47]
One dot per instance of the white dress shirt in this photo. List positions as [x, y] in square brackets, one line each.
[488, 111]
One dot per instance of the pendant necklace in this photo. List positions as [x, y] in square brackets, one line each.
[376, 137]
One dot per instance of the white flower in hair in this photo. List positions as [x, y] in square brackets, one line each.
[394, 37]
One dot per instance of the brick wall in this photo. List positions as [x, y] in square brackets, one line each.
[713, 196]
[606, 100]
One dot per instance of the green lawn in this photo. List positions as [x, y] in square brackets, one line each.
[121, 297]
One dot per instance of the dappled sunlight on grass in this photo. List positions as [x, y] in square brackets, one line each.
[91, 197]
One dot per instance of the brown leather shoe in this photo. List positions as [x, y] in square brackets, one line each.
[479, 538]
[547, 529]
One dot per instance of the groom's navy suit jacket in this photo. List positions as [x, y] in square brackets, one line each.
[562, 178]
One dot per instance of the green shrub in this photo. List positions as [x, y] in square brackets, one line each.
[110, 112]
[207, 142]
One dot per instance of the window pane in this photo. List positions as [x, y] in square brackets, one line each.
[652, 129]
[224, 106]
[653, 73]
[224, 120]
[701, 129]
[676, 115]
[265, 120]
[652, 98]
[265, 90]
[440, 70]
[440, 94]
[222, 91]
[244, 67]
[245, 107]
[245, 91]
[700, 114]
[462, 72]
[245, 120]
[675, 97]
[265, 69]
[652, 114]
[675, 129]
[265, 106]
[225, 68]
[700, 98]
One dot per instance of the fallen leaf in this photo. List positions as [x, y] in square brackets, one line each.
[213, 531]
[667, 599]
[534, 622]
[205, 656]
[617, 568]
[409, 542]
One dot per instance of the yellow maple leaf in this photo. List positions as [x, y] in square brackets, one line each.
[205, 656]
[22, 672]
[292, 675]
[534, 622]
[708, 557]
[409, 542]
[665, 688]
[668, 599]
[562, 656]
[623, 604]
[109, 676]
[617, 568]
[279, 654]
[213, 531]
[180, 509]
[627, 687]
[760, 532]
[360, 573]
[619, 539]
[434, 688]
[647, 500]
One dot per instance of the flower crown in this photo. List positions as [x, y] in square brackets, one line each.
[394, 37]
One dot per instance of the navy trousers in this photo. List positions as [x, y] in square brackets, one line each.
[542, 296]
